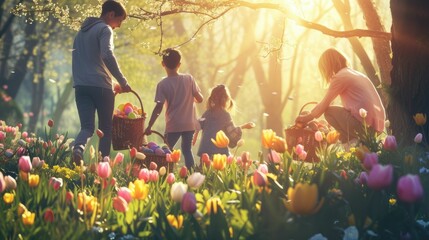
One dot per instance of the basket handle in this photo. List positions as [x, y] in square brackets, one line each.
[302, 108]
[138, 97]
[162, 137]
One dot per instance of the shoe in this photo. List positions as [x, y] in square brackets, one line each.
[77, 156]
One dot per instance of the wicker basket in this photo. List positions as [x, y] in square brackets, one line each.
[128, 133]
[160, 161]
[304, 136]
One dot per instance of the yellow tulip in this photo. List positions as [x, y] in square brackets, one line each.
[219, 161]
[21, 209]
[8, 198]
[139, 190]
[420, 119]
[175, 155]
[213, 204]
[332, 137]
[221, 141]
[174, 221]
[268, 136]
[33, 180]
[87, 203]
[278, 144]
[303, 199]
[28, 218]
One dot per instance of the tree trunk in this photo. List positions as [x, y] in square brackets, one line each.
[38, 89]
[4, 66]
[410, 73]
[64, 100]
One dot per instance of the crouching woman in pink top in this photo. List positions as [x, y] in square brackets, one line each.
[355, 90]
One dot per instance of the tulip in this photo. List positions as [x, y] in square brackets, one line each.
[189, 202]
[3, 185]
[162, 171]
[153, 166]
[278, 144]
[28, 218]
[390, 143]
[36, 162]
[2, 135]
[221, 141]
[56, 183]
[125, 193]
[174, 221]
[50, 123]
[263, 168]
[303, 199]
[206, 160]
[318, 136]
[10, 182]
[303, 155]
[153, 175]
[274, 157]
[178, 189]
[140, 156]
[268, 136]
[119, 158]
[298, 149]
[409, 188]
[144, 174]
[213, 204]
[175, 155]
[370, 160]
[387, 123]
[332, 137]
[418, 138]
[363, 178]
[21, 209]
[120, 204]
[104, 170]
[171, 178]
[100, 133]
[87, 203]
[183, 172]
[420, 119]
[139, 190]
[363, 113]
[380, 176]
[33, 180]
[229, 159]
[69, 197]
[8, 198]
[361, 151]
[24, 164]
[259, 178]
[133, 152]
[219, 161]
[24, 134]
[195, 180]
[49, 215]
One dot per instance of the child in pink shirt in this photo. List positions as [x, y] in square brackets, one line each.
[356, 92]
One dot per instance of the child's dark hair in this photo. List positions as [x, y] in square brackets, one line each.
[220, 98]
[171, 58]
[113, 6]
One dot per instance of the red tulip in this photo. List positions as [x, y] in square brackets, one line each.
[144, 174]
[171, 178]
[69, 197]
[259, 178]
[125, 193]
[120, 204]
[133, 152]
[50, 123]
[183, 172]
[49, 215]
[153, 166]
[100, 133]
[409, 188]
[56, 183]
[206, 160]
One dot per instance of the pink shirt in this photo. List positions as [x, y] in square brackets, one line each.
[356, 91]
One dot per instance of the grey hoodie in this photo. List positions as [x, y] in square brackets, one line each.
[93, 61]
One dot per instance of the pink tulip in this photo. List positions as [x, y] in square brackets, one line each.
[183, 172]
[189, 202]
[299, 149]
[153, 175]
[24, 164]
[274, 157]
[24, 134]
[171, 178]
[2, 135]
[318, 136]
[205, 159]
[418, 138]
[229, 159]
[303, 155]
[259, 178]
[125, 193]
[56, 183]
[390, 143]
[144, 174]
[2, 183]
[409, 188]
[119, 204]
[153, 166]
[119, 158]
[370, 160]
[104, 170]
[363, 178]
[380, 176]
[36, 162]
[245, 158]
[263, 168]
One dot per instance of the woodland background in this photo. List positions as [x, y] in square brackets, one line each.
[266, 52]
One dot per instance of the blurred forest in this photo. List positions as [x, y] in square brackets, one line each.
[266, 52]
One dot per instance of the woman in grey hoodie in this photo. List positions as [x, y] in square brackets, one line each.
[93, 66]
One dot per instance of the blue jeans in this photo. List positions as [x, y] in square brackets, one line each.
[186, 147]
[91, 99]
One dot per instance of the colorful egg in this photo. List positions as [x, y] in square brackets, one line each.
[159, 152]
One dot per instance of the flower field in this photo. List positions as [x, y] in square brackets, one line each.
[373, 190]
